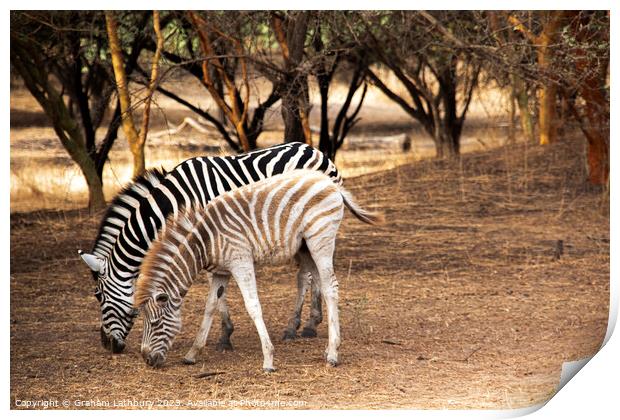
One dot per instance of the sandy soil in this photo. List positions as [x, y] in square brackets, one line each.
[462, 300]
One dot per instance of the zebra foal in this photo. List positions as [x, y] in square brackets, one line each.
[296, 213]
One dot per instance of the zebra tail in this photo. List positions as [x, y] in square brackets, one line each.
[372, 218]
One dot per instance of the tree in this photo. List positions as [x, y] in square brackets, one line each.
[333, 52]
[135, 138]
[236, 109]
[59, 57]
[515, 55]
[586, 86]
[439, 76]
[546, 42]
[224, 51]
[291, 29]
[572, 67]
[215, 47]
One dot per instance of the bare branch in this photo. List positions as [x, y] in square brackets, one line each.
[146, 112]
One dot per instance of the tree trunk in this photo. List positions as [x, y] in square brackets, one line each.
[525, 115]
[69, 133]
[293, 130]
[598, 158]
[96, 199]
[291, 35]
[547, 117]
[446, 145]
[326, 144]
[594, 120]
[597, 127]
[135, 145]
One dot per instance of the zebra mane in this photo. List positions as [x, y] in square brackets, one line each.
[140, 187]
[162, 250]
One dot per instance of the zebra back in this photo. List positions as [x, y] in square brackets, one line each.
[265, 220]
[137, 215]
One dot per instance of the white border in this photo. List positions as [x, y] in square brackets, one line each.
[593, 393]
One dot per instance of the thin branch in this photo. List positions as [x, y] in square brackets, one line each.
[352, 120]
[396, 98]
[278, 30]
[444, 31]
[146, 112]
[204, 114]
[534, 39]
[470, 91]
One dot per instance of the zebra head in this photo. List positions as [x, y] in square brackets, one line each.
[117, 312]
[162, 322]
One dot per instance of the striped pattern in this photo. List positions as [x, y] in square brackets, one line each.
[137, 215]
[263, 222]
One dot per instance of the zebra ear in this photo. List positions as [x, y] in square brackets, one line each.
[95, 263]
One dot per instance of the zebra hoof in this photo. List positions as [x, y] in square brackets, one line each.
[189, 361]
[289, 334]
[269, 370]
[308, 332]
[331, 362]
[223, 346]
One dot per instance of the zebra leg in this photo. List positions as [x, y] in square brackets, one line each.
[216, 290]
[323, 252]
[224, 344]
[316, 311]
[243, 273]
[303, 277]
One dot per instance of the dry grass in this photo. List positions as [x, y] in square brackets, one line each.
[458, 302]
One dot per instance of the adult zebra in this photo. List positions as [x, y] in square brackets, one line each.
[135, 217]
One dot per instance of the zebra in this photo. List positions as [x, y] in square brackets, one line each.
[294, 213]
[135, 217]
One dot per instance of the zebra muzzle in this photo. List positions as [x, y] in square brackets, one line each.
[155, 360]
[117, 345]
[105, 340]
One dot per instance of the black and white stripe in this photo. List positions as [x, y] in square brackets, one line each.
[296, 213]
[137, 215]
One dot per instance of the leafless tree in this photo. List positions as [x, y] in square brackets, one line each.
[332, 52]
[439, 77]
[218, 48]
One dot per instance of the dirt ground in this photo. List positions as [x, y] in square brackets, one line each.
[466, 298]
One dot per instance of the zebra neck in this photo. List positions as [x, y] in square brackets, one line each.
[189, 251]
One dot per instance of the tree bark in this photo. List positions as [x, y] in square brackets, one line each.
[547, 118]
[596, 130]
[548, 121]
[135, 144]
[594, 120]
[525, 116]
[291, 35]
[325, 140]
